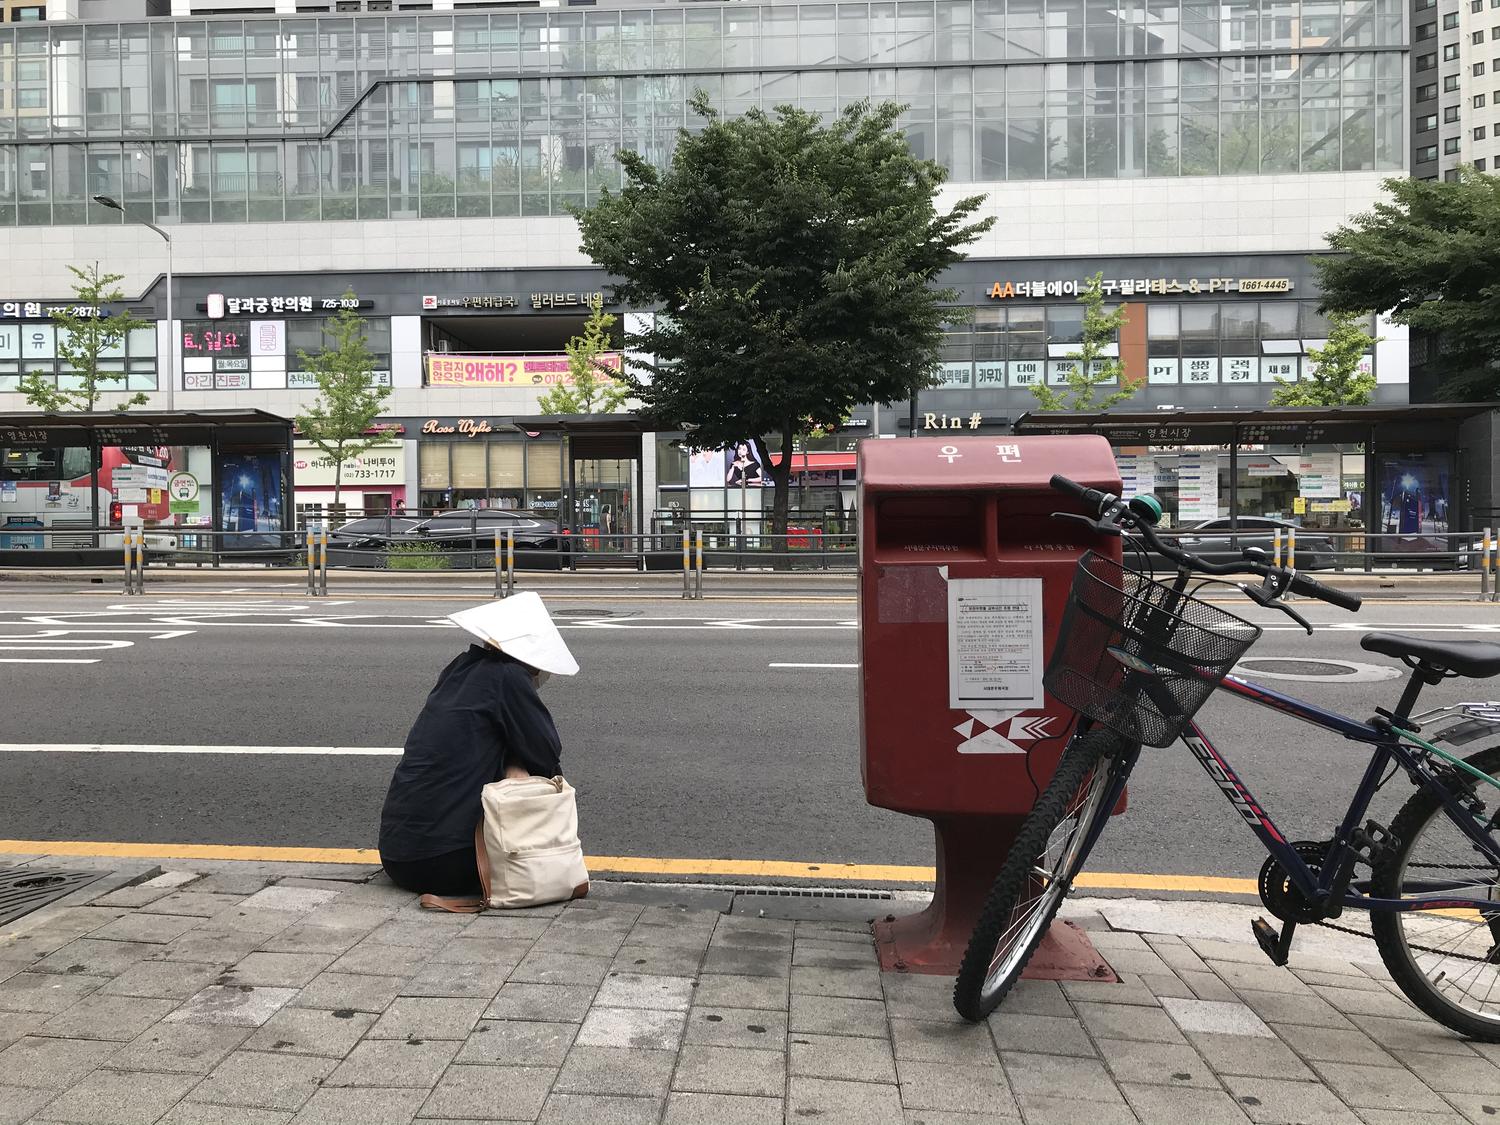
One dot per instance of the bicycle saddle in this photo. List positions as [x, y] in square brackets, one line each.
[1475, 659]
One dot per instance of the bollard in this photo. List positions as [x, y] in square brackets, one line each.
[1276, 547]
[129, 563]
[687, 564]
[700, 566]
[323, 559]
[1494, 565]
[499, 561]
[510, 561]
[312, 561]
[1484, 566]
[1291, 548]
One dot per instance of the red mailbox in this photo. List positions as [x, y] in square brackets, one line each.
[963, 583]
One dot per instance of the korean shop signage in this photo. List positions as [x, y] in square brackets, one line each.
[218, 305]
[445, 370]
[1142, 287]
[39, 310]
[491, 301]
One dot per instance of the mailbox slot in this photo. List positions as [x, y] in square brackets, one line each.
[931, 527]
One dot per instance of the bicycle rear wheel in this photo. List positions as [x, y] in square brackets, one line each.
[1447, 962]
[1039, 871]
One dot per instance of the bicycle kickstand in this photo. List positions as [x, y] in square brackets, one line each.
[1278, 947]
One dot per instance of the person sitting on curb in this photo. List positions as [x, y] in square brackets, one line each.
[483, 720]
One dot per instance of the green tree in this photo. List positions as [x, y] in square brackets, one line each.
[792, 262]
[1336, 379]
[85, 332]
[1092, 367]
[1429, 256]
[341, 420]
[594, 387]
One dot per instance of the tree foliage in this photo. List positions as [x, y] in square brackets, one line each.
[81, 341]
[341, 420]
[1335, 378]
[1092, 366]
[1429, 256]
[594, 388]
[792, 262]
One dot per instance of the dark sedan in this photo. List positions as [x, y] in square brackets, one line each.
[1211, 540]
[462, 538]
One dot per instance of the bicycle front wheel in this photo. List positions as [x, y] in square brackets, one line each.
[1038, 872]
[1447, 962]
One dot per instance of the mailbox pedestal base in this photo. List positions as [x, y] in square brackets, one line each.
[969, 853]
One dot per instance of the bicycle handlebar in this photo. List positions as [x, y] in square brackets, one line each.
[1288, 579]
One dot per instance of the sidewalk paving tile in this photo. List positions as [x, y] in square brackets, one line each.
[515, 1093]
[1110, 941]
[264, 1081]
[297, 900]
[472, 981]
[52, 1063]
[47, 993]
[1135, 961]
[17, 1103]
[428, 1017]
[685, 1108]
[1264, 977]
[1306, 1008]
[571, 939]
[833, 955]
[17, 1025]
[466, 950]
[1026, 997]
[731, 991]
[673, 937]
[1130, 990]
[1379, 1087]
[947, 1041]
[1481, 1109]
[730, 1070]
[1401, 1035]
[121, 1097]
[369, 959]
[634, 990]
[1360, 983]
[1179, 957]
[311, 1031]
[95, 957]
[280, 970]
[1331, 1044]
[742, 961]
[264, 924]
[1211, 949]
[167, 980]
[833, 1015]
[507, 927]
[428, 934]
[107, 1017]
[1120, 1021]
[211, 946]
[640, 1028]
[394, 1062]
[355, 991]
[1200, 1107]
[1279, 1101]
[960, 1089]
[1048, 1109]
[659, 960]
[1250, 1055]
[842, 1056]
[595, 1109]
[1167, 984]
[860, 984]
[233, 1005]
[747, 1027]
[182, 1047]
[1453, 1074]
[561, 968]
[1048, 1035]
[193, 904]
[1402, 1117]
[1047, 1075]
[523, 1000]
[1156, 1064]
[361, 1106]
[310, 938]
[156, 929]
[1207, 986]
[518, 1043]
[614, 1070]
[919, 996]
[1352, 1002]
[1216, 1017]
[831, 1102]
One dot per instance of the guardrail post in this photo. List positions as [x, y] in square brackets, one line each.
[129, 564]
[323, 559]
[699, 593]
[1493, 561]
[499, 567]
[1484, 566]
[311, 546]
[687, 563]
[1276, 547]
[510, 561]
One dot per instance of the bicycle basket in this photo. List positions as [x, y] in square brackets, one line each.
[1138, 659]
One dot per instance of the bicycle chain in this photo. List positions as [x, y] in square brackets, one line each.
[1421, 948]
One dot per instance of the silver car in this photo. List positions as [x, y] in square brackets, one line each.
[1211, 541]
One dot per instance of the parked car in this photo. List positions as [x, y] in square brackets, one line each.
[1212, 541]
[466, 536]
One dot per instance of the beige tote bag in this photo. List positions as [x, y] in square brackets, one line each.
[527, 847]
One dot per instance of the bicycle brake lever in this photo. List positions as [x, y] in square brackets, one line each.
[1261, 597]
[1101, 528]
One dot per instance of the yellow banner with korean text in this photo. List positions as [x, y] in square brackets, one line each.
[447, 370]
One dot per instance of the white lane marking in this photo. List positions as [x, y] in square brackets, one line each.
[148, 748]
[802, 665]
[44, 660]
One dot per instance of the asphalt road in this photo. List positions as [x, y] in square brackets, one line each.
[682, 738]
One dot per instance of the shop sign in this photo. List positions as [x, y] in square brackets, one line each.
[229, 340]
[520, 370]
[217, 305]
[23, 435]
[467, 427]
[1318, 475]
[1141, 287]
[501, 301]
[972, 421]
[216, 381]
[307, 381]
[36, 310]
[378, 465]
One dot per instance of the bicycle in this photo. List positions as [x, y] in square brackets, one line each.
[1137, 657]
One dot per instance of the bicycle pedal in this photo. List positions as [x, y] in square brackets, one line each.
[1269, 941]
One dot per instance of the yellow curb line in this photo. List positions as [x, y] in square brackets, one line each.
[629, 865]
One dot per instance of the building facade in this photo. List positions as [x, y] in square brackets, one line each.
[423, 165]
[1455, 86]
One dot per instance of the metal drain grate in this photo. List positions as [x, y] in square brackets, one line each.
[24, 889]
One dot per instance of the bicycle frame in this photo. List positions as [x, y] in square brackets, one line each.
[1389, 748]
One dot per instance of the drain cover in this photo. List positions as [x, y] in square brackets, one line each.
[24, 889]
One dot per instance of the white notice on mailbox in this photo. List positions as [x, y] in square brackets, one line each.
[995, 643]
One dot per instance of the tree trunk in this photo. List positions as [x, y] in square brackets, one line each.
[781, 478]
[338, 477]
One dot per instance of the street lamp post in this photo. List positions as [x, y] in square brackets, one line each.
[114, 205]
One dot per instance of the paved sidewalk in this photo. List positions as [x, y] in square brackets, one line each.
[253, 996]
